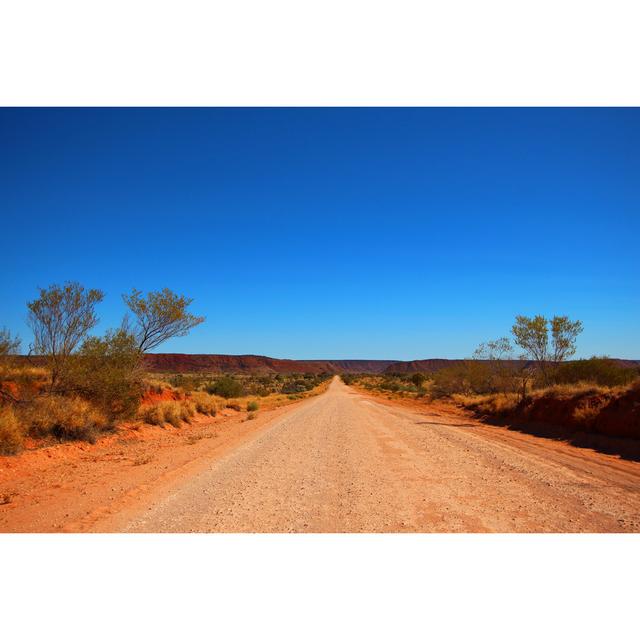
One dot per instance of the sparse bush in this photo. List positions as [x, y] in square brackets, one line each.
[227, 387]
[252, 405]
[66, 418]
[106, 372]
[234, 405]
[602, 371]
[467, 378]
[11, 432]
[418, 379]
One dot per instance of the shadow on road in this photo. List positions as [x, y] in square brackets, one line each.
[626, 448]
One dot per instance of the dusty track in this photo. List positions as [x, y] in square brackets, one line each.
[343, 462]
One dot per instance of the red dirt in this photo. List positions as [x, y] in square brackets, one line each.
[153, 397]
[64, 487]
[607, 413]
[621, 417]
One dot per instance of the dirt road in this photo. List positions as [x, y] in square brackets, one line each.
[344, 462]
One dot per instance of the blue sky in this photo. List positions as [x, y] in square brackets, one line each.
[331, 233]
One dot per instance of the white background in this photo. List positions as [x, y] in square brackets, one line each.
[319, 53]
[323, 52]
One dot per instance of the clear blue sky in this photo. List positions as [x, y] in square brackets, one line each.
[331, 233]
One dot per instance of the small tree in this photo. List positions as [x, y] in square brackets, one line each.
[564, 333]
[159, 316]
[60, 319]
[497, 353]
[532, 334]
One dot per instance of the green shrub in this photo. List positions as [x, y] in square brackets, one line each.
[106, 372]
[252, 406]
[227, 387]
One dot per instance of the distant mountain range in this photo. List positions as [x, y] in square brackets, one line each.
[252, 364]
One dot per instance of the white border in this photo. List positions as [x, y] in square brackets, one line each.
[319, 586]
[329, 52]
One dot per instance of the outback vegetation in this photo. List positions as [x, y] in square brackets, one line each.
[77, 386]
[529, 377]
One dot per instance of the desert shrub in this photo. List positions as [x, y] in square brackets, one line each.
[152, 414]
[227, 387]
[184, 382]
[602, 371]
[172, 411]
[390, 385]
[418, 379]
[467, 378]
[252, 405]
[66, 418]
[233, 405]
[204, 403]
[11, 432]
[106, 371]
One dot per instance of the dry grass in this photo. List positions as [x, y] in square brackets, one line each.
[66, 418]
[204, 403]
[11, 432]
[572, 391]
[174, 412]
[586, 415]
[27, 374]
[491, 404]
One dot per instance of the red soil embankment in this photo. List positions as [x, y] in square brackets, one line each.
[606, 413]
